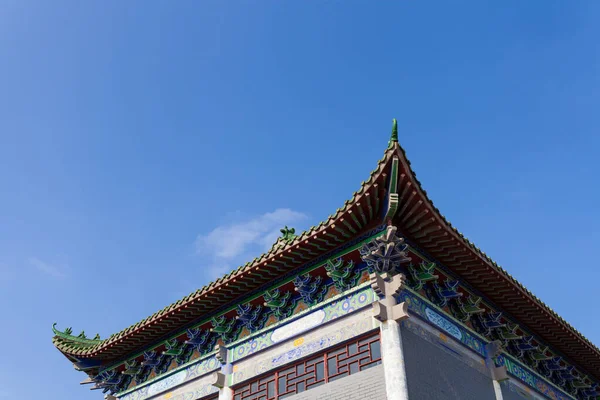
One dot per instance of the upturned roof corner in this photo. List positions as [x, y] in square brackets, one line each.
[67, 341]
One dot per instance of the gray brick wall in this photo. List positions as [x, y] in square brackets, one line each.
[365, 385]
[436, 373]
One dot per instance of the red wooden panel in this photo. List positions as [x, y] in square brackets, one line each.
[347, 359]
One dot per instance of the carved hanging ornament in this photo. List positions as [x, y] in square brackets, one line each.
[385, 253]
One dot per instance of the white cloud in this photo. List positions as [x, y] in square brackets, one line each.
[228, 246]
[47, 268]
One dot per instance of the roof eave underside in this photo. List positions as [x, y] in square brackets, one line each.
[422, 223]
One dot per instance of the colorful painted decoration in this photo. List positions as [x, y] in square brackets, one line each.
[590, 393]
[201, 340]
[157, 362]
[419, 276]
[178, 350]
[385, 253]
[225, 328]
[173, 348]
[137, 371]
[344, 276]
[554, 364]
[581, 384]
[107, 381]
[508, 334]
[443, 323]
[132, 368]
[162, 368]
[143, 375]
[486, 325]
[541, 354]
[464, 310]
[531, 379]
[524, 345]
[446, 293]
[252, 318]
[567, 374]
[185, 356]
[111, 381]
[280, 304]
[311, 289]
[152, 359]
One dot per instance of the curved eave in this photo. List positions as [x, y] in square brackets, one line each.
[71, 347]
[423, 223]
[355, 215]
[67, 346]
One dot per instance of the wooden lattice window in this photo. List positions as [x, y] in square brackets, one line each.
[349, 358]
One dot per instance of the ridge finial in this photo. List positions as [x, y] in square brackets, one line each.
[394, 136]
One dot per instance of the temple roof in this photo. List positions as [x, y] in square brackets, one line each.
[416, 217]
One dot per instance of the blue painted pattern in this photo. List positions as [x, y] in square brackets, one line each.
[158, 385]
[531, 379]
[343, 305]
[426, 311]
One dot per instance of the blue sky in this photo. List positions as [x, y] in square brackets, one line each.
[147, 146]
